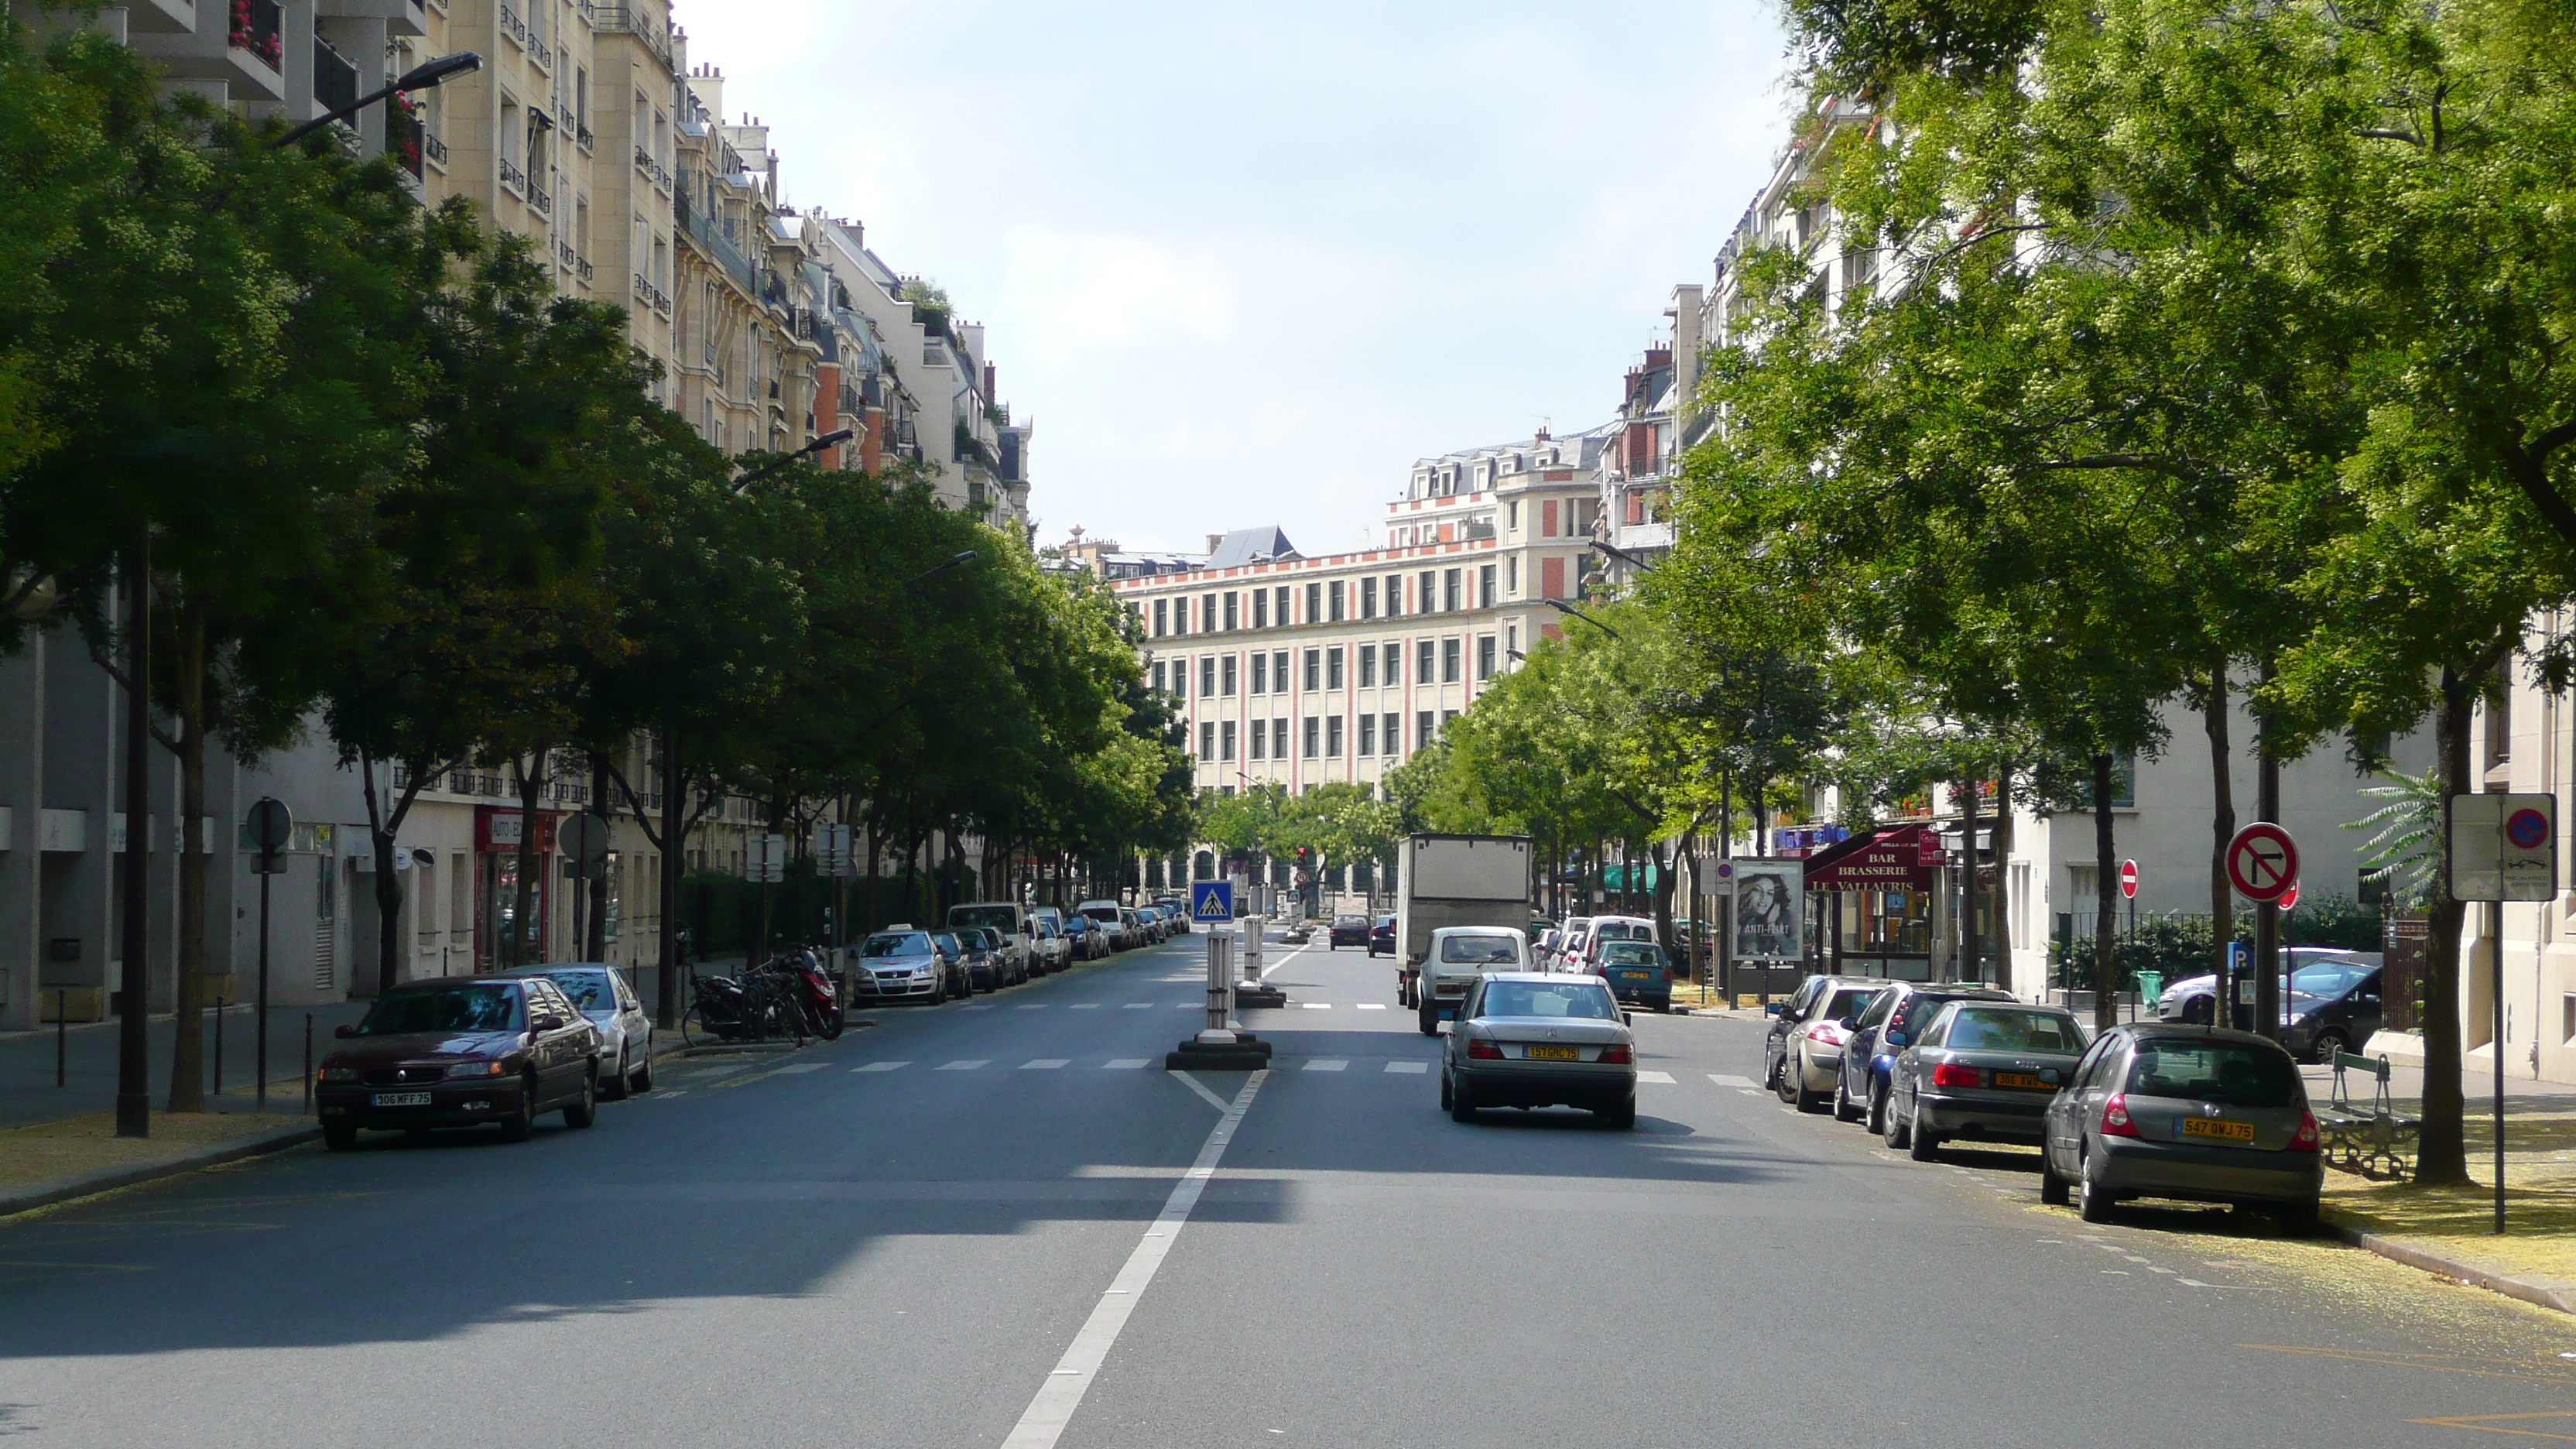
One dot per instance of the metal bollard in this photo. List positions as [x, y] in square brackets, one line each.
[219, 1046]
[308, 1064]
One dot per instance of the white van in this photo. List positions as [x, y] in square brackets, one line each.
[1008, 918]
[1456, 957]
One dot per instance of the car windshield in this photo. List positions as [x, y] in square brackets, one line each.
[589, 990]
[1623, 931]
[1105, 914]
[1632, 953]
[1588, 1001]
[897, 943]
[946, 943]
[1995, 1029]
[1846, 1000]
[477, 1007]
[1350, 920]
[1478, 951]
[2327, 978]
[998, 917]
[2236, 1073]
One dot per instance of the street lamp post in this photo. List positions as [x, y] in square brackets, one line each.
[419, 78]
[1570, 611]
[832, 439]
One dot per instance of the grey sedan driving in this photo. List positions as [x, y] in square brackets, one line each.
[1983, 1070]
[2165, 1109]
[1527, 1039]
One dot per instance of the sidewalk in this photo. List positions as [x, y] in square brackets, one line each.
[28, 1093]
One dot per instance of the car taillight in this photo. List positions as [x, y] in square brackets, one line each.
[2115, 1117]
[1617, 1055]
[2306, 1139]
[1827, 1032]
[1484, 1050]
[1951, 1074]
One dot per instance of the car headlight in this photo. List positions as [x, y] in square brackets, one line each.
[473, 1069]
[339, 1074]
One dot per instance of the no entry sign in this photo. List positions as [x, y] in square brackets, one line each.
[2263, 862]
[2504, 847]
[2129, 879]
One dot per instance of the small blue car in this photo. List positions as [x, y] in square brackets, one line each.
[1638, 973]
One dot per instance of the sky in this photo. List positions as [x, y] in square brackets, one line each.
[1242, 264]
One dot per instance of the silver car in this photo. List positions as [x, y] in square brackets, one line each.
[900, 963]
[601, 994]
[2163, 1109]
[1533, 1039]
[1984, 1070]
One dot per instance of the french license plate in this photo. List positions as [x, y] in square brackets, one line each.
[2213, 1127]
[1631, 975]
[1555, 1054]
[2024, 1080]
[398, 1099]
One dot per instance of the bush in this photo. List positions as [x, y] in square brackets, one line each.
[2176, 945]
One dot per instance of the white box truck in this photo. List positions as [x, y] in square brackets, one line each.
[1453, 880]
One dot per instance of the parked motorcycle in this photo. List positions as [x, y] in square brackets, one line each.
[814, 995]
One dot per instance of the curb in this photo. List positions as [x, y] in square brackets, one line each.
[89, 1184]
[2539, 1295]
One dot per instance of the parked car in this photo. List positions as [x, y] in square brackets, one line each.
[1134, 926]
[1347, 930]
[460, 1051]
[1050, 949]
[1533, 1039]
[1882, 1030]
[900, 963]
[1178, 908]
[1084, 933]
[1008, 924]
[1014, 967]
[2204, 1114]
[952, 952]
[1791, 1018]
[2194, 998]
[1606, 929]
[1983, 1070]
[1637, 973]
[600, 992]
[1158, 922]
[1114, 927]
[1381, 937]
[1570, 944]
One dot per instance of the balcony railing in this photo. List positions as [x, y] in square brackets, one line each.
[410, 140]
[652, 170]
[335, 77]
[582, 268]
[257, 27]
[512, 177]
[513, 27]
[433, 147]
[537, 198]
[581, 135]
[648, 295]
[540, 53]
[627, 20]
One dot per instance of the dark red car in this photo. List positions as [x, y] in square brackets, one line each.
[1381, 937]
[461, 1051]
[1348, 931]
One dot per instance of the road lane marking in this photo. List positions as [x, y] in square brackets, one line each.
[798, 1069]
[1662, 1079]
[1372, 1006]
[1729, 1079]
[1316, 1005]
[882, 1067]
[967, 1065]
[1031, 1006]
[1042, 1424]
[1195, 1085]
[1084, 1006]
[1408, 1068]
[1116, 1064]
[1138, 1005]
[974, 1008]
[1326, 1064]
[1044, 1064]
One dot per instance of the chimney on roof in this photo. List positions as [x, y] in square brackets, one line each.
[1213, 540]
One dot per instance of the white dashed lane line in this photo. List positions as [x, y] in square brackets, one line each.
[1044, 1064]
[1408, 1068]
[1372, 1006]
[1661, 1079]
[968, 1065]
[882, 1067]
[1327, 1064]
[1139, 1005]
[1116, 1064]
[798, 1069]
[1084, 1006]
[1729, 1079]
[1316, 1005]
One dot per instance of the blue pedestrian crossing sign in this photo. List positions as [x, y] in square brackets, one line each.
[1212, 900]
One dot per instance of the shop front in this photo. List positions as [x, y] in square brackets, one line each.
[497, 834]
[1884, 886]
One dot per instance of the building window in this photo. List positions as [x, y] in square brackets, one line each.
[1207, 741]
[1511, 638]
[1279, 609]
[1485, 663]
[1394, 595]
[1422, 730]
[1333, 668]
[1333, 600]
[1447, 715]
[1368, 735]
[1207, 614]
[1261, 673]
[1422, 661]
[1225, 741]
[1279, 671]
[1394, 663]
[1392, 725]
[1449, 661]
[1449, 590]
[1260, 608]
[1368, 598]
[1333, 738]
[1512, 577]
[1162, 617]
[1424, 590]
[1485, 587]
[1512, 521]
[1314, 668]
[1314, 603]
[1260, 739]
[1180, 613]
[1231, 602]
[1225, 681]
[1207, 676]
[1314, 738]
[1368, 669]
[1158, 678]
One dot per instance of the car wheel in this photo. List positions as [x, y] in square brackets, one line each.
[642, 1079]
[1780, 1076]
[1877, 1112]
[1429, 1016]
[2297, 1217]
[1844, 1110]
[584, 1109]
[2092, 1202]
[2328, 1043]
[1800, 1096]
[1462, 1104]
[616, 1084]
[1922, 1143]
[1896, 1132]
[1444, 1092]
[519, 1126]
[1621, 1118]
[339, 1138]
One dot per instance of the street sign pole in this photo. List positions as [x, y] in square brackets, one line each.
[1222, 1045]
[2263, 864]
[2503, 848]
[272, 826]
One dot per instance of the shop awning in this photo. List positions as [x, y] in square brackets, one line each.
[1898, 858]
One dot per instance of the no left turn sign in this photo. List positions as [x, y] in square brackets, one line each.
[2263, 862]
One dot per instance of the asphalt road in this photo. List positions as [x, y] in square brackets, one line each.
[979, 1224]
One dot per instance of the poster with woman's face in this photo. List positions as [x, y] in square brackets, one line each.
[1768, 894]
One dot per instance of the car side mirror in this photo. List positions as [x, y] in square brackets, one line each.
[344, 1031]
[1627, 1019]
[550, 1023]
[1776, 1008]
[1894, 1038]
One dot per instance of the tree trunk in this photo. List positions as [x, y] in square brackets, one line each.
[2267, 915]
[666, 971]
[527, 941]
[2441, 1154]
[187, 1066]
[2003, 874]
[2222, 829]
[2106, 890]
[594, 927]
[1970, 947]
[1663, 888]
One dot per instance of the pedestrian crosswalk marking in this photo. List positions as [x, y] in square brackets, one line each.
[1326, 1064]
[1729, 1079]
[882, 1067]
[1659, 1078]
[1044, 1064]
[1408, 1068]
[798, 1067]
[967, 1066]
[1123, 1063]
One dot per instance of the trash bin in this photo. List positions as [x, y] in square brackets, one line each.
[2151, 987]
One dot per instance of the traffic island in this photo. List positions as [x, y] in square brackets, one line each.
[1268, 998]
[1240, 1051]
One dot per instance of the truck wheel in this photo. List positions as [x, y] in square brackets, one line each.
[1430, 1017]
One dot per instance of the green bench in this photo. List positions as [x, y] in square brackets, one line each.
[2378, 1143]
